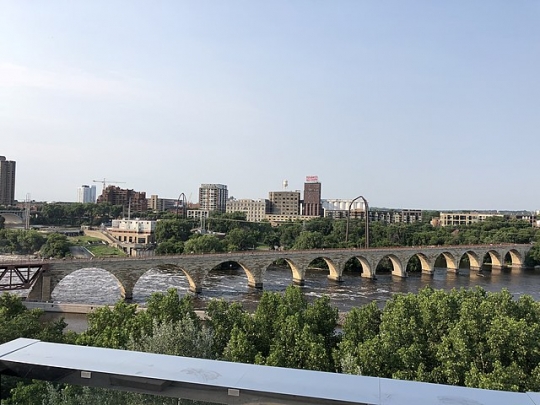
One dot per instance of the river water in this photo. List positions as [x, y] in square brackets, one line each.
[95, 286]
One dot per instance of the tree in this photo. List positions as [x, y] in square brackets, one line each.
[170, 247]
[56, 245]
[17, 321]
[173, 230]
[113, 327]
[239, 239]
[203, 244]
[309, 240]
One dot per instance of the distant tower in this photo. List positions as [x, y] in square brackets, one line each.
[7, 181]
[86, 194]
[312, 197]
[213, 197]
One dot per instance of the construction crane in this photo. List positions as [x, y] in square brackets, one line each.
[105, 182]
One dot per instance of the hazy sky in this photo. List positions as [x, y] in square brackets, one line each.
[412, 104]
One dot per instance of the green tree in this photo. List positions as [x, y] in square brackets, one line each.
[309, 240]
[203, 244]
[240, 239]
[173, 230]
[113, 327]
[56, 245]
[17, 321]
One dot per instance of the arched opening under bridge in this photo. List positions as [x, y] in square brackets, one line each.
[160, 281]
[89, 285]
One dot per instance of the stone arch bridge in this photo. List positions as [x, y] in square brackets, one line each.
[255, 263]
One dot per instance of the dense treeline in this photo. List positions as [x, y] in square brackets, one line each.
[231, 232]
[463, 337]
[174, 236]
[13, 241]
[76, 214]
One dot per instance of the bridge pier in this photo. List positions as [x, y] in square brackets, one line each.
[195, 289]
[337, 279]
[41, 290]
[257, 285]
[453, 270]
[430, 272]
[127, 295]
[299, 281]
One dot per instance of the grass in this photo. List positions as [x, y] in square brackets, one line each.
[105, 250]
[83, 240]
[96, 246]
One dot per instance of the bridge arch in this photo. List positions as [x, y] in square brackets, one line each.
[368, 270]
[171, 279]
[252, 280]
[495, 258]
[297, 273]
[101, 280]
[397, 266]
[195, 284]
[334, 272]
[473, 259]
[516, 258]
[450, 261]
[425, 264]
[12, 219]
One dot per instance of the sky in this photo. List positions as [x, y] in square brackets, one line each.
[411, 104]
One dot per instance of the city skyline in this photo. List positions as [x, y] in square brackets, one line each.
[410, 104]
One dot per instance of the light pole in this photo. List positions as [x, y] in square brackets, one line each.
[182, 196]
[366, 207]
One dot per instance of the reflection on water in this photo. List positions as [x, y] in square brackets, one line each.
[95, 286]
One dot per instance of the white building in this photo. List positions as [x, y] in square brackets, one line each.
[213, 197]
[336, 206]
[255, 210]
[86, 194]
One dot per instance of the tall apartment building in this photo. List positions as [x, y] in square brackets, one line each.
[86, 194]
[7, 181]
[213, 197]
[312, 197]
[284, 202]
[129, 199]
[255, 210]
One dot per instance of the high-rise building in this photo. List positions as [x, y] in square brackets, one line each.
[86, 194]
[213, 197]
[312, 197]
[7, 181]
[284, 202]
[131, 200]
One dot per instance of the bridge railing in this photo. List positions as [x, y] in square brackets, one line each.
[264, 252]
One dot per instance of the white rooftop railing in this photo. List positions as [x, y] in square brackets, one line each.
[228, 383]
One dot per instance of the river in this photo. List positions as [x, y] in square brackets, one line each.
[96, 286]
